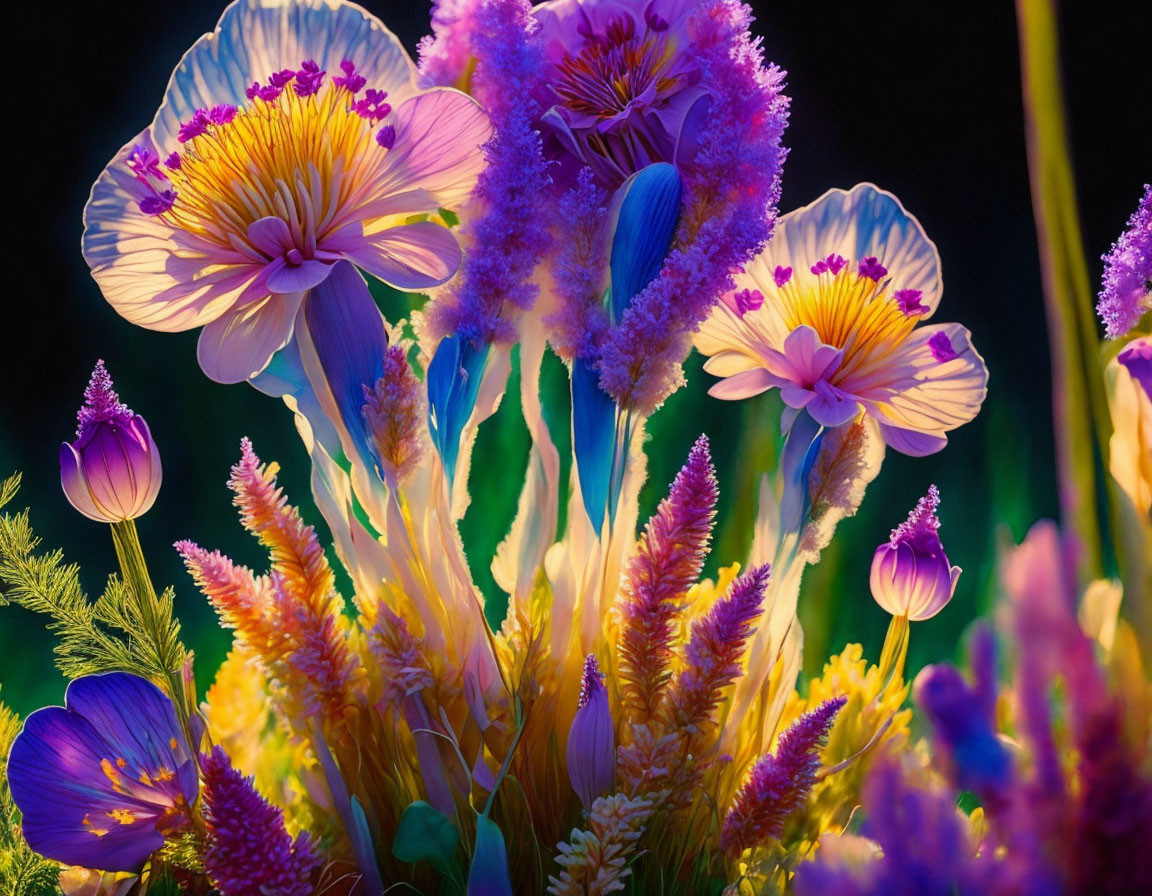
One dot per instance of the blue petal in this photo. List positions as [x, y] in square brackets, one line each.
[488, 875]
[645, 226]
[800, 451]
[593, 439]
[453, 384]
[348, 334]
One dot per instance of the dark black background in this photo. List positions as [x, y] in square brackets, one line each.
[921, 98]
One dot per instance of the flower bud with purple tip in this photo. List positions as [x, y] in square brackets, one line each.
[111, 473]
[591, 740]
[911, 575]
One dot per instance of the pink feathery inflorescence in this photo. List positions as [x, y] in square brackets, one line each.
[394, 416]
[505, 242]
[292, 617]
[668, 561]
[401, 662]
[1127, 288]
[248, 850]
[731, 188]
[101, 403]
[577, 328]
[446, 53]
[778, 784]
[714, 654]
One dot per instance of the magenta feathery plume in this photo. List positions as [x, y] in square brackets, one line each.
[1127, 288]
[446, 53]
[778, 784]
[591, 740]
[714, 653]
[731, 188]
[248, 849]
[668, 561]
[112, 471]
[292, 618]
[505, 242]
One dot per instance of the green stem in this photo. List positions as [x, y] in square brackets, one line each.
[134, 571]
[1080, 414]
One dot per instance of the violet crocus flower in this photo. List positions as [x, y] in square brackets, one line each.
[591, 740]
[248, 849]
[293, 137]
[111, 473]
[103, 781]
[911, 575]
[846, 281]
[1127, 289]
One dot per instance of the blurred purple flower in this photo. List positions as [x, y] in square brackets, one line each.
[104, 780]
[112, 471]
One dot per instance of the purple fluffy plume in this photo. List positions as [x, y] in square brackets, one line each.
[731, 187]
[248, 849]
[1127, 288]
[505, 241]
[779, 784]
[667, 563]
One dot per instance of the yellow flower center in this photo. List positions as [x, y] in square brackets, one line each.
[851, 311]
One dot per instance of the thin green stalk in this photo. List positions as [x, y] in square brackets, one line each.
[134, 571]
[1080, 415]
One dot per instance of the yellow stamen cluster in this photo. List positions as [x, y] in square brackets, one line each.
[848, 311]
[290, 157]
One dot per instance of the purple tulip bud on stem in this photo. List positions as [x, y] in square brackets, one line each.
[591, 740]
[911, 576]
[111, 473]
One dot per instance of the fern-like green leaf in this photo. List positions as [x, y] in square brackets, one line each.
[102, 636]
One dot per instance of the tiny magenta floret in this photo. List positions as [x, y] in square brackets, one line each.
[111, 472]
[911, 575]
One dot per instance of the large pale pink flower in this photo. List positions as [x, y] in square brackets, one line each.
[290, 138]
[829, 313]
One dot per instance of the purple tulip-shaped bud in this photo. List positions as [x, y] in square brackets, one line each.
[910, 573]
[591, 741]
[111, 472]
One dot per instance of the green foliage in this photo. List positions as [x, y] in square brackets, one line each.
[110, 634]
[426, 835]
[22, 872]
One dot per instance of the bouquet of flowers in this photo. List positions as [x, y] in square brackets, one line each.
[594, 181]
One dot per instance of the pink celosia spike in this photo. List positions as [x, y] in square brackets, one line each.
[714, 654]
[778, 784]
[248, 849]
[292, 618]
[296, 552]
[667, 563]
